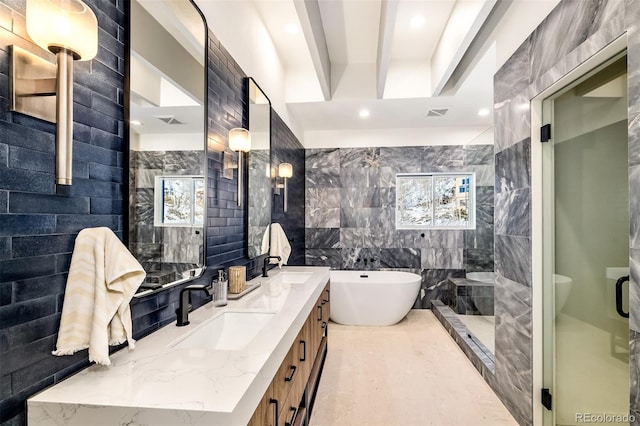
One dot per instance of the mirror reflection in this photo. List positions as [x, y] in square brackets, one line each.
[260, 174]
[167, 157]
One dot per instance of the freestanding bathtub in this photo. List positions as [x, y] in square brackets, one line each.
[375, 298]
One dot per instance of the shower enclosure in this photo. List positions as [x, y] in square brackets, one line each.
[586, 249]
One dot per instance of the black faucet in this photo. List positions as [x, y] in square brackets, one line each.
[185, 298]
[265, 264]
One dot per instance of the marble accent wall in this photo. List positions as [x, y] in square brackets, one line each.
[258, 203]
[576, 30]
[350, 213]
[162, 248]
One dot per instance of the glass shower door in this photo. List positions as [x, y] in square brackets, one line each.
[587, 250]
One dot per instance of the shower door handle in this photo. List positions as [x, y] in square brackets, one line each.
[619, 308]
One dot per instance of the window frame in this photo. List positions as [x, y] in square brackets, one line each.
[159, 205]
[471, 200]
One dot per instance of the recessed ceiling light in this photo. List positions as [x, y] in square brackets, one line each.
[292, 29]
[136, 123]
[364, 113]
[417, 21]
[483, 112]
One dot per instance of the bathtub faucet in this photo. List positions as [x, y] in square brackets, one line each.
[265, 264]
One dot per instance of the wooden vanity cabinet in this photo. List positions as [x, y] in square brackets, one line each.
[267, 411]
[319, 329]
[288, 399]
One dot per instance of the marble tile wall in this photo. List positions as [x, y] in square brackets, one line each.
[632, 25]
[350, 213]
[576, 30]
[259, 216]
[470, 297]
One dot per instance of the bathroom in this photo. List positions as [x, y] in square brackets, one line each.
[38, 225]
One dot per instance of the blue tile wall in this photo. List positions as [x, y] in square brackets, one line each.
[37, 225]
[286, 148]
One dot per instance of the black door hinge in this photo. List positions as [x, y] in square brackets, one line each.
[546, 398]
[545, 133]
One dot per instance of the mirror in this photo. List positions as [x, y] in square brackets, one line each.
[167, 156]
[259, 171]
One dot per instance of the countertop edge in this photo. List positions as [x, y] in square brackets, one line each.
[48, 405]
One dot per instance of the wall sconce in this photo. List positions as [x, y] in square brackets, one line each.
[69, 29]
[285, 171]
[240, 142]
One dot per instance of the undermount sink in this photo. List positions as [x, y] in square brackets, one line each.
[289, 277]
[229, 331]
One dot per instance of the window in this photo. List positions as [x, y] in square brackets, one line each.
[435, 201]
[179, 201]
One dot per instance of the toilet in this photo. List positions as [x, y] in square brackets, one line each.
[562, 285]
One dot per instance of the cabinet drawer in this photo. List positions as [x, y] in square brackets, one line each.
[326, 305]
[267, 413]
[283, 381]
[292, 403]
[306, 350]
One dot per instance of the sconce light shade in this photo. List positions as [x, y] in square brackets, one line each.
[69, 29]
[55, 25]
[285, 170]
[239, 140]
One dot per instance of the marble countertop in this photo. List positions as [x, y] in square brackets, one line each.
[162, 385]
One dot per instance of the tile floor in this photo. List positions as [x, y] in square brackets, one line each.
[410, 374]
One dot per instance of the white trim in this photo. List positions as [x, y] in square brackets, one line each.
[536, 262]
[158, 201]
[471, 223]
[537, 248]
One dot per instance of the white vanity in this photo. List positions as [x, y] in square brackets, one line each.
[216, 371]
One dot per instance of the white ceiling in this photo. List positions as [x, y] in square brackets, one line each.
[349, 55]
[163, 102]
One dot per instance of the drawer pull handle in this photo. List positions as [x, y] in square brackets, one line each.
[328, 295]
[293, 373]
[275, 401]
[319, 313]
[294, 412]
[304, 350]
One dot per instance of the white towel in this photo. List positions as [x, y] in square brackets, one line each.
[103, 278]
[279, 244]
